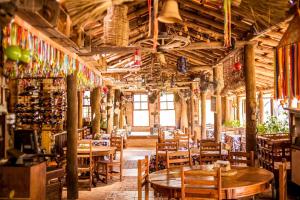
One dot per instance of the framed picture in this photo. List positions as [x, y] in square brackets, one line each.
[213, 103]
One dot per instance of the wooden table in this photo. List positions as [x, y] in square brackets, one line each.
[247, 182]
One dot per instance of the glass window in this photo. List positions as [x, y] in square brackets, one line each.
[167, 112]
[140, 110]
[86, 108]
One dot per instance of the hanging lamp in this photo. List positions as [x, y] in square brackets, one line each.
[170, 12]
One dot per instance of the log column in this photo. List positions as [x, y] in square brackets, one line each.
[72, 136]
[261, 106]
[192, 112]
[80, 106]
[272, 106]
[117, 109]
[203, 114]
[110, 110]
[238, 108]
[250, 98]
[218, 78]
[95, 108]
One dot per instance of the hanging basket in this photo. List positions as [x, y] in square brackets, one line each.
[116, 26]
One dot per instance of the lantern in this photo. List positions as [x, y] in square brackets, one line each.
[182, 64]
[237, 66]
[137, 58]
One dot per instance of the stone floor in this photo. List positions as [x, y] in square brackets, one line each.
[127, 189]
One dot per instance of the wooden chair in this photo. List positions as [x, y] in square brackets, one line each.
[210, 152]
[283, 180]
[178, 158]
[105, 167]
[241, 158]
[162, 148]
[183, 140]
[200, 184]
[143, 177]
[85, 165]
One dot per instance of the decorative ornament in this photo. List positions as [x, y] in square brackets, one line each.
[137, 58]
[105, 90]
[13, 52]
[237, 66]
[182, 64]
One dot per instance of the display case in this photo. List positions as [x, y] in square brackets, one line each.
[294, 122]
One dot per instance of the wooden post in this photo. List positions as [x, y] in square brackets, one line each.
[203, 114]
[110, 111]
[192, 111]
[261, 106]
[238, 108]
[80, 106]
[218, 78]
[117, 109]
[95, 108]
[298, 104]
[225, 109]
[72, 136]
[250, 98]
[272, 106]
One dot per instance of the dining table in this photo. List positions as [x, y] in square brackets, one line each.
[247, 181]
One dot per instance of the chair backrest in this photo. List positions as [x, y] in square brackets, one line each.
[183, 140]
[169, 145]
[85, 159]
[241, 158]
[118, 143]
[210, 152]
[283, 180]
[200, 184]
[178, 158]
[143, 177]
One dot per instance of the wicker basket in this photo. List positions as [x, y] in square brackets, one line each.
[116, 26]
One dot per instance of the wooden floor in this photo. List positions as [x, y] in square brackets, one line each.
[127, 189]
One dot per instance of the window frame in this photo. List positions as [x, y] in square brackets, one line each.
[140, 109]
[88, 106]
[167, 109]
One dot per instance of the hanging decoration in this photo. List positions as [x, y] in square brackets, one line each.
[287, 72]
[155, 30]
[29, 56]
[182, 64]
[227, 23]
[137, 59]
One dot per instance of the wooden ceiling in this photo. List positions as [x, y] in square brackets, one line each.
[263, 22]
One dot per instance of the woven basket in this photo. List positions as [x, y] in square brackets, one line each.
[116, 26]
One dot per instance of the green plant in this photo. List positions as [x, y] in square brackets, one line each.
[273, 125]
[232, 124]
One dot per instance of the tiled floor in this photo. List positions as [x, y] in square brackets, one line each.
[127, 189]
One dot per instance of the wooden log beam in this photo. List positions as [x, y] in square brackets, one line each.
[80, 106]
[217, 76]
[117, 103]
[203, 115]
[72, 137]
[238, 108]
[250, 98]
[261, 106]
[95, 110]
[110, 110]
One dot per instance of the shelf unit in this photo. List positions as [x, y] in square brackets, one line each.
[41, 106]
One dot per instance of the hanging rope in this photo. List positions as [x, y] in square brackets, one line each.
[227, 23]
[155, 31]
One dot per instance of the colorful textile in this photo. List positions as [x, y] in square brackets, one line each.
[287, 72]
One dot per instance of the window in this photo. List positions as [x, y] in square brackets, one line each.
[86, 109]
[140, 110]
[167, 111]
